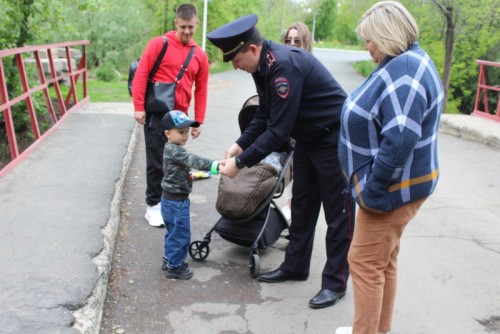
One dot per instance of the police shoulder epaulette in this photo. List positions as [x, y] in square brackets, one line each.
[270, 59]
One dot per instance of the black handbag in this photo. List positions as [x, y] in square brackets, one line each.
[160, 96]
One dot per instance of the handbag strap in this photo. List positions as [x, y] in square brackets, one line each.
[160, 58]
[185, 65]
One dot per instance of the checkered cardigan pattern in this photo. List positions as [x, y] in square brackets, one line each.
[389, 127]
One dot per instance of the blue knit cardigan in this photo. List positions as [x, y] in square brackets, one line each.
[388, 137]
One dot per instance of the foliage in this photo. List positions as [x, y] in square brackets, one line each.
[326, 20]
[107, 73]
[475, 37]
[119, 30]
[116, 30]
[364, 67]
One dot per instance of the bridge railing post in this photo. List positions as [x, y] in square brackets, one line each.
[64, 71]
[482, 92]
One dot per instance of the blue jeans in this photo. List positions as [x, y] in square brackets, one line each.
[175, 214]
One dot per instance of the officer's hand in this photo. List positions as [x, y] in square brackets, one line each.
[228, 167]
[195, 132]
[140, 117]
[232, 151]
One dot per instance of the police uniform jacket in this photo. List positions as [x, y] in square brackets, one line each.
[298, 98]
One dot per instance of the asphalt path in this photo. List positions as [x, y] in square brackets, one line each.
[449, 261]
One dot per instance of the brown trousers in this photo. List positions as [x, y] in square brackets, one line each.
[373, 265]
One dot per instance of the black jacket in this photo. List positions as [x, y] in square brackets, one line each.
[298, 98]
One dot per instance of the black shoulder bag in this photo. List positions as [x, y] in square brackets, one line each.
[160, 96]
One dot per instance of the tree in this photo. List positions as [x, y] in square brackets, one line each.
[326, 19]
[449, 23]
[455, 36]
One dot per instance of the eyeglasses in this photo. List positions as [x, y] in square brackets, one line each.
[295, 41]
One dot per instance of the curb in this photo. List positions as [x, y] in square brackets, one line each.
[88, 318]
[473, 128]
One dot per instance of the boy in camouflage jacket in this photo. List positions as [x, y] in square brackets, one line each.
[177, 183]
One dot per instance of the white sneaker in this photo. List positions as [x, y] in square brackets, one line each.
[287, 212]
[344, 330]
[153, 216]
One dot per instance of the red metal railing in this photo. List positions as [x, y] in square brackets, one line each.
[482, 92]
[67, 104]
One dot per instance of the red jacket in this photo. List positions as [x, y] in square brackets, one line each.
[196, 74]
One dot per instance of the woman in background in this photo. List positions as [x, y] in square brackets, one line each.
[298, 35]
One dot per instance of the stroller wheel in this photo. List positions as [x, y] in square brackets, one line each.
[254, 265]
[199, 250]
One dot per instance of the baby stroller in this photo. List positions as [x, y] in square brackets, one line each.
[264, 226]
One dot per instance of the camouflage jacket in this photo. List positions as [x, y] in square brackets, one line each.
[177, 182]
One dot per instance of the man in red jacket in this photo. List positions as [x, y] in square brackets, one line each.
[180, 42]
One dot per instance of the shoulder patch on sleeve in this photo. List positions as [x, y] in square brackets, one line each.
[282, 87]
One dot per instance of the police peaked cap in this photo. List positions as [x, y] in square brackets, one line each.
[233, 35]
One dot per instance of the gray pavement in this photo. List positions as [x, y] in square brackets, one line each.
[61, 209]
[59, 214]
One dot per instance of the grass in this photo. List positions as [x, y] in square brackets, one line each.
[364, 67]
[100, 91]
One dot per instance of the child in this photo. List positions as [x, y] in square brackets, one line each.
[177, 185]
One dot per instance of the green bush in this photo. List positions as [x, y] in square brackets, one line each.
[107, 73]
[365, 67]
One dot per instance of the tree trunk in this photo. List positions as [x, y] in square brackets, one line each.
[24, 29]
[448, 54]
[447, 11]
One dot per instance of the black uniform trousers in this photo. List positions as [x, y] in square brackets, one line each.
[317, 180]
[155, 140]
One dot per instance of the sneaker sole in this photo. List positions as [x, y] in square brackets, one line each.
[178, 277]
[188, 274]
[161, 225]
[154, 225]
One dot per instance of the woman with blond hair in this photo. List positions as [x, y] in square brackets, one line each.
[298, 35]
[388, 153]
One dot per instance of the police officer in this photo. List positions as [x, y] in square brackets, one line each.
[299, 98]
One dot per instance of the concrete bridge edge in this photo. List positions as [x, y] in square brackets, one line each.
[88, 319]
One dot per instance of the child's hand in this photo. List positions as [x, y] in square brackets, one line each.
[221, 165]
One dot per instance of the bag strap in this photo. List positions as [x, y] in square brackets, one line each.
[160, 58]
[185, 65]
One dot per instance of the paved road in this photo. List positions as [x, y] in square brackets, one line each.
[58, 221]
[449, 272]
[62, 205]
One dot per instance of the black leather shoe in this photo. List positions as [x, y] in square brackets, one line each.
[278, 276]
[326, 298]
